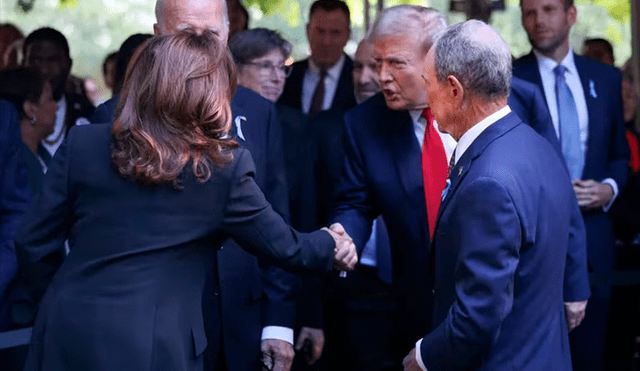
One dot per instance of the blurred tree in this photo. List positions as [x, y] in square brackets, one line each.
[95, 28]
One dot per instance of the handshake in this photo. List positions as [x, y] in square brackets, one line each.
[345, 256]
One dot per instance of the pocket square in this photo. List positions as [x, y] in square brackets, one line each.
[238, 122]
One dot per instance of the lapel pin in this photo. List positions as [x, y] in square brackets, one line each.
[592, 89]
[446, 189]
[460, 170]
[238, 122]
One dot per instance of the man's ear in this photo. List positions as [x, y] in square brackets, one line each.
[572, 15]
[156, 29]
[456, 89]
[29, 108]
[308, 29]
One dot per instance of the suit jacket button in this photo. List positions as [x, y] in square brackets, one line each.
[216, 291]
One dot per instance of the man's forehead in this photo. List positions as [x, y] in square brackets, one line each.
[364, 51]
[540, 3]
[44, 48]
[329, 18]
[400, 46]
[199, 14]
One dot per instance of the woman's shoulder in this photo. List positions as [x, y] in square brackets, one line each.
[91, 131]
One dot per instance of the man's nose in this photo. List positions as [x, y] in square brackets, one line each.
[384, 75]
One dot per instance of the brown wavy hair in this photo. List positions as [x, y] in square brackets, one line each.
[174, 109]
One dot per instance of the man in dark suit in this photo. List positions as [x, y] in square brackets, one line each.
[382, 172]
[14, 198]
[584, 100]
[499, 251]
[323, 81]
[47, 50]
[359, 308]
[258, 306]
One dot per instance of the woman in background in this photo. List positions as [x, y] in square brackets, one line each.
[31, 95]
[145, 204]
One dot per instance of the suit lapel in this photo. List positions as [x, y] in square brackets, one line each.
[527, 69]
[344, 90]
[460, 170]
[591, 93]
[405, 151]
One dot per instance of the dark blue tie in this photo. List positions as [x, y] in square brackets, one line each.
[568, 124]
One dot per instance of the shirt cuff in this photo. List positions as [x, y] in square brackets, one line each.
[278, 333]
[419, 356]
[613, 185]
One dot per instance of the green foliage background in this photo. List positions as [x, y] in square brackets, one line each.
[95, 28]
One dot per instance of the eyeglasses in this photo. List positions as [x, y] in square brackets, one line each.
[267, 68]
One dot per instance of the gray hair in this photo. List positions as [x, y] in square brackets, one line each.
[160, 7]
[409, 19]
[251, 44]
[477, 56]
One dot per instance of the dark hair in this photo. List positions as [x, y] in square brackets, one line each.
[125, 53]
[174, 109]
[18, 85]
[112, 57]
[605, 42]
[251, 44]
[329, 6]
[47, 34]
[11, 32]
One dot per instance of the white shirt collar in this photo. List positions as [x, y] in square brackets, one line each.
[470, 136]
[333, 72]
[548, 64]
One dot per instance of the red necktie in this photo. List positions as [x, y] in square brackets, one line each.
[434, 169]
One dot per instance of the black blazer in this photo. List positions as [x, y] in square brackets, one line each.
[128, 296]
[344, 98]
[253, 296]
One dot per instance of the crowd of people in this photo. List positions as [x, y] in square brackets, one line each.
[485, 195]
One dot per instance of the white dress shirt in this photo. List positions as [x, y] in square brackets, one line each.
[572, 78]
[310, 81]
[463, 144]
[59, 128]
[420, 125]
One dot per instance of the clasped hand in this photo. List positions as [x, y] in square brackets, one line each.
[592, 194]
[345, 255]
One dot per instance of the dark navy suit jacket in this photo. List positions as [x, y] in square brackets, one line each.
[499, 255]
[105, 112]
[343, 100]
[129, 294]
[382, 175]
[253, 295]
[607, 152]
[526, 101]
[15, 196]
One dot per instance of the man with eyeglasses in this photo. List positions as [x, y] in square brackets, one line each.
[323, 81]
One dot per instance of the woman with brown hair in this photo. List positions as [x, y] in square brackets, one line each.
[145, 204]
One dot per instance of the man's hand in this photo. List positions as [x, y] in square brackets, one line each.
[316, 337]
[410, 363]
[277, 354]
[592, 194]
[574, 311]
[345, 255]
